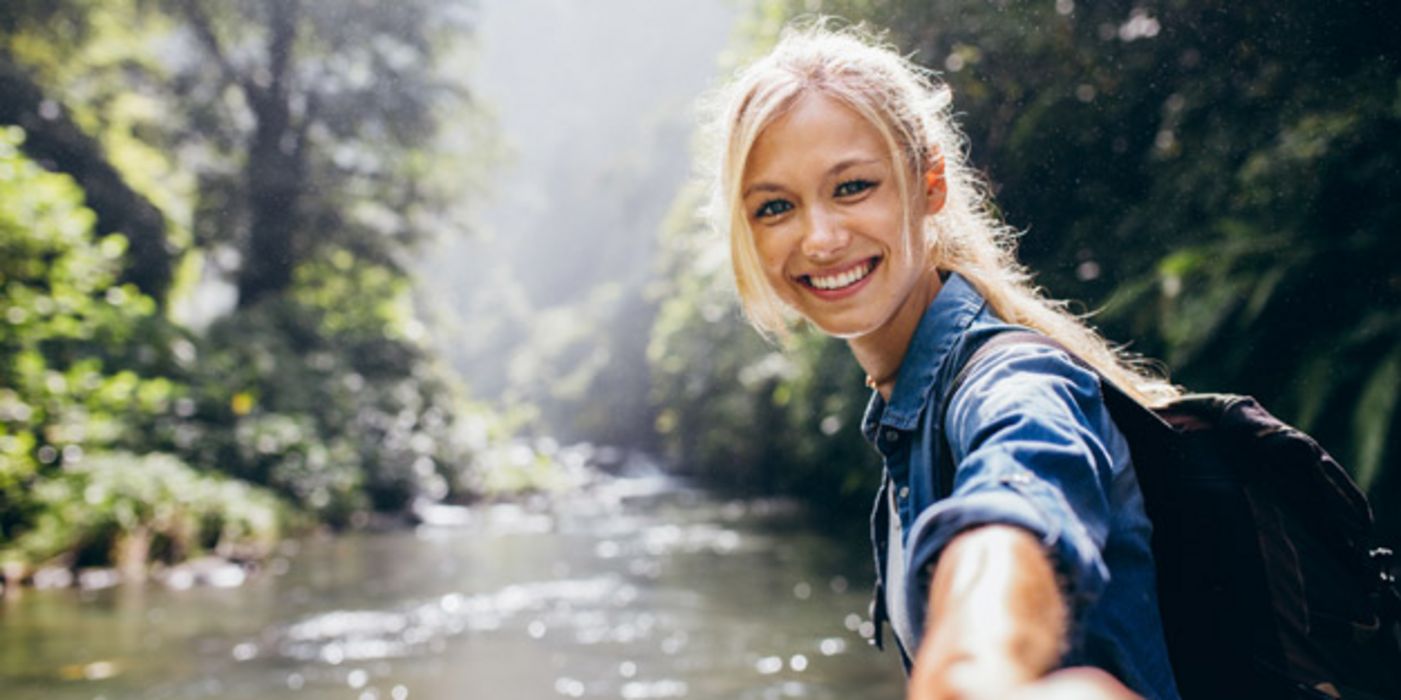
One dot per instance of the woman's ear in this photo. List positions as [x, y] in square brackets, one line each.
[936, 187]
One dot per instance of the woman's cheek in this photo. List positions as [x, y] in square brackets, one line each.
[772, 258]
[778, 282]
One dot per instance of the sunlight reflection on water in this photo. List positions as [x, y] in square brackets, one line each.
[631, 588]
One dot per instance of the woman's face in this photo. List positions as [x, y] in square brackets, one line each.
[828, 222]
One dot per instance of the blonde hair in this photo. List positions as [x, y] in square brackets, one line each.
[910, 108]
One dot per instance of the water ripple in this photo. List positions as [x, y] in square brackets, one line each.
[358, 635]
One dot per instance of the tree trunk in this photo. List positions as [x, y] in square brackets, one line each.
[132, 553]
[274, 194]
[276, 169]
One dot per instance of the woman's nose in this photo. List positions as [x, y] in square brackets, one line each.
[825, 240]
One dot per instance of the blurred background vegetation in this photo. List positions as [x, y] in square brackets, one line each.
[230, 234]
[208, 213]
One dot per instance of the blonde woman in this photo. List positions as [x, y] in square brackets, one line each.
[842, 187]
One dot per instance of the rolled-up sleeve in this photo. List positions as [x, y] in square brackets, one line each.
[1030, 437]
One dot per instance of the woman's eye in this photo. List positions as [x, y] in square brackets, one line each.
[773, 207]
[851, 187]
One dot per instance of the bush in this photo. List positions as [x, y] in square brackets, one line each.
[96, 504]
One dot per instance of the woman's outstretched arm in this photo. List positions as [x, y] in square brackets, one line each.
[997, 624]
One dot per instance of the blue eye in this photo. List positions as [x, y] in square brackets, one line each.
[852, 187]
[773, 207]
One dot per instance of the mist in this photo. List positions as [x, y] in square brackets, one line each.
[593, 109]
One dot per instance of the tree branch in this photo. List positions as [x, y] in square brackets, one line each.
[203, 27]
[282, 20]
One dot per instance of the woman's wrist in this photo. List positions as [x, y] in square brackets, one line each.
[996, 619]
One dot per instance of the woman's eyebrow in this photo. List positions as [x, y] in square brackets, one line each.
[835, 169]
[851, 163]
[762, 187]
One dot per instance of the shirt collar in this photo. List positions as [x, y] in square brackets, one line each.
[943, 323]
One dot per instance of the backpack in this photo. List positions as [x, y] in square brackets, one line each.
[1270, 584]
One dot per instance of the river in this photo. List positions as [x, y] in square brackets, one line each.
[632, 588]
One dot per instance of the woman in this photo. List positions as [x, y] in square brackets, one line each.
[847, 202]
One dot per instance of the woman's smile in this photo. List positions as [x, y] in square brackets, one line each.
[841, 281]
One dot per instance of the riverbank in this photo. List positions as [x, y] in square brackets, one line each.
[128, 519]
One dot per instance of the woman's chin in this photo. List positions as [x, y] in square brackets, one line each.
[842, 329]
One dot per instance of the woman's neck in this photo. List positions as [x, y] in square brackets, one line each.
[881, 351]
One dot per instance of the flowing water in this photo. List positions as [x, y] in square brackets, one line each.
[633, 588]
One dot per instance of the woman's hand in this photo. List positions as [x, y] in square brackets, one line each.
[996, 625]
[1080, 683]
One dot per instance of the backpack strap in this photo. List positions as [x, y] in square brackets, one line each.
[946, 465]
[997, 341]
[1132, 417]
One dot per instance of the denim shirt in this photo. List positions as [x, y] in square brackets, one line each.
[1035, 448]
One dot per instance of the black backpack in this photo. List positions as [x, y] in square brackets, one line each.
[1270, 584]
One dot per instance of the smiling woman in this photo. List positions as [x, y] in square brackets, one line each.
[835, 239]
[904, 118]
[844, 192]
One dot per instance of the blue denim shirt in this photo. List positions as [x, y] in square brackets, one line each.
[1035, 447]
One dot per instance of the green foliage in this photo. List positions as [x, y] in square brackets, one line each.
[100, 61]
[321, 121]
[324, 396]
[1376, 412]
[316, 397]
[73, 353]
[508, 469]
[76, 358]
[311, 127]
[91, 505]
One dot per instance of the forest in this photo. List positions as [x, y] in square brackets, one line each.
[266, 160]
[212, 216]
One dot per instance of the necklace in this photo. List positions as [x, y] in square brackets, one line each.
[872, 382]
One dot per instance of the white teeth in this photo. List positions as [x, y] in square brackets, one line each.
[845, 279]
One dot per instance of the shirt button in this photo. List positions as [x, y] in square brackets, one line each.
[904, 492]
[892, 436]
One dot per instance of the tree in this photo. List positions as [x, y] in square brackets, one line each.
[75, 396]
[319, 119]
[300, 140]
[57, 141]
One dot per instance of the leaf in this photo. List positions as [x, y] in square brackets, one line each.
[1263, 293]
[1314, 387]
[1371, 423]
